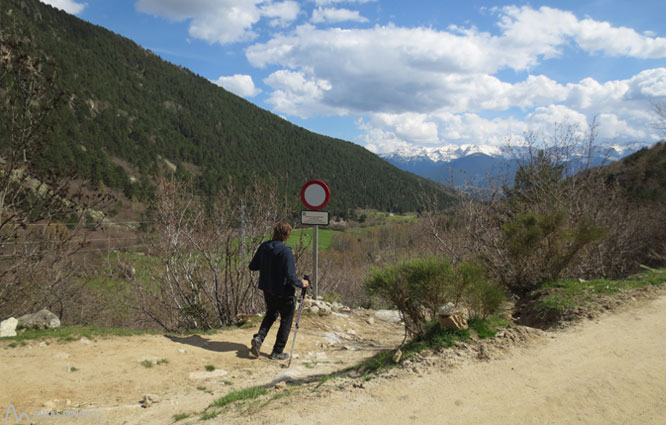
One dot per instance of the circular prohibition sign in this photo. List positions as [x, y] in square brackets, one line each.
[315, 194]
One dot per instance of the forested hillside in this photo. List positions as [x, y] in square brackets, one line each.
[642, 175]
[127, 110]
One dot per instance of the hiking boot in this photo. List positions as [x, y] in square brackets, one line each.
[255, 346]
[279, 356]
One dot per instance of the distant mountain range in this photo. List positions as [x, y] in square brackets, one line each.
[478, 165]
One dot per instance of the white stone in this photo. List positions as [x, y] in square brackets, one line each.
[331, 338]
[8, 327]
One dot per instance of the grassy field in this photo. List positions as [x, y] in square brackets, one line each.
[325, 238]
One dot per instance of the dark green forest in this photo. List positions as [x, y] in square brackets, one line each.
[126, 110]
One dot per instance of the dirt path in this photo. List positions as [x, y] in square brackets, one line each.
[608, 371]
[107, 377]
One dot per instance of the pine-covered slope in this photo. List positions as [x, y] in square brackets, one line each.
[129, 110]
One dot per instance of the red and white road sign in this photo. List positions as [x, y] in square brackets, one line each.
[315, 194]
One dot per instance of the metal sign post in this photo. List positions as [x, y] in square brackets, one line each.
[315, 195]
[315, 260]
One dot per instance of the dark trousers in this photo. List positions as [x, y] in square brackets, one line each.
[277, 306]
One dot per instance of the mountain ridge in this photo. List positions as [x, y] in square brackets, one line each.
[129, 111]
[475, 165]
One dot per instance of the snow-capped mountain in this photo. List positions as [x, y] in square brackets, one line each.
[444, 153]
[475, 164]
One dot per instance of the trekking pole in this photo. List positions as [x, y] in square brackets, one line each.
[298, 319]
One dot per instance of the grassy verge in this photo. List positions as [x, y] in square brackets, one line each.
[74, 333]
[564, 296]
[436, 338]
[218, 406]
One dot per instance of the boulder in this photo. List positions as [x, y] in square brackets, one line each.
[447, 309]
[43, 319]
[453, 321]
[324, 310]
[8, 327]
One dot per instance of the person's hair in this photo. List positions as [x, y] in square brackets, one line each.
[281, 231]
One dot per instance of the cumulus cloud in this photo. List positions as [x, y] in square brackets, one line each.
[320, 15]
[242, 85]
[548, 29]
[281, 14]
[69, 6]
[223, 21]
[428, 86]
[299, 95]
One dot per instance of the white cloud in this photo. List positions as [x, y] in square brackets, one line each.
[282, 14]
[242, 85]
[223, 21]
[612, 127]
[548, 29]
[299, 95]
[429, 86]
[69, 6]
[320, 15]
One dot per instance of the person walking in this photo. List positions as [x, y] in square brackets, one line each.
[277, 278]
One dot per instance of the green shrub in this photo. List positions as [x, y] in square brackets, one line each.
[418, 287]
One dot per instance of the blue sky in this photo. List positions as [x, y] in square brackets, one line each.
[400, 74]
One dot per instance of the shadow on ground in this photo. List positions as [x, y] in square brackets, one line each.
[242, 351]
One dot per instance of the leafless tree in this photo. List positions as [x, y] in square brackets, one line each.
[206, 248]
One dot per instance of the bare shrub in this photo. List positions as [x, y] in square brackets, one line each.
[206, 247]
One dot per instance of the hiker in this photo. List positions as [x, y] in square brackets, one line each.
[277, 278]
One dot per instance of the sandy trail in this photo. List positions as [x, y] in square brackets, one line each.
[608, 371]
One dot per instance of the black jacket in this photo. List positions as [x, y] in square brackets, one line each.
[277, 272]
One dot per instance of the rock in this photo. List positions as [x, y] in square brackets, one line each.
[397, 356]
[43, 319]
[282, 385]
[291, 374]
[85, 340]
[371, 321]
[49, 405]
[331, 338]
[389, 315]
[447, 309]
[325, 310]
[454, 321]
[8, 327]
[60, 355]
[314, 309]
[148, 400]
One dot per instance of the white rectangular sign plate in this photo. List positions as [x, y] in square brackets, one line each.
[320, 218]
